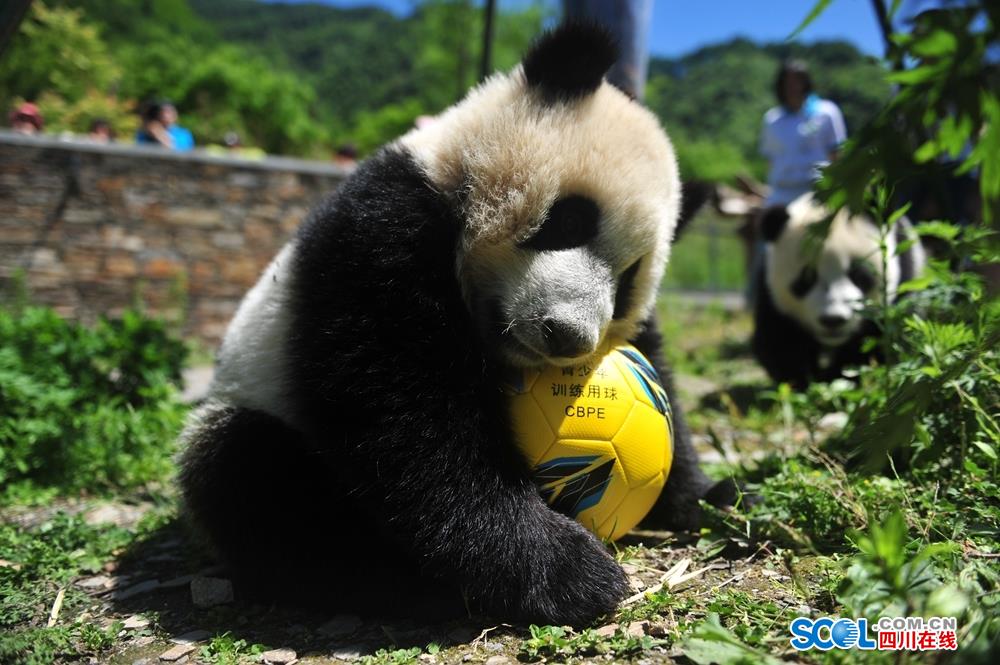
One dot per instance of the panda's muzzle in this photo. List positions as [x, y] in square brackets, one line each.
[565, 340]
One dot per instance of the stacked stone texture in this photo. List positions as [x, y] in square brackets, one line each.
[93, 229]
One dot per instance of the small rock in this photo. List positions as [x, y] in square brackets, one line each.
[658, 629]
[637, 628]
[135, 621]
[466, 658]
[4, 563]
[136, 589]
[349, 651]
[636, 584]
[177, 581]
[191, 637]
[340, 625]
[95, 582]
[177, 652]
[427, 658]
[835, 420]
[143, 641]
[499, 660]
[117, 514]
[608, 630]
[211, 591]
[279, 656]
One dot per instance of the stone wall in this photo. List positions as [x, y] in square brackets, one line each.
[94, 229]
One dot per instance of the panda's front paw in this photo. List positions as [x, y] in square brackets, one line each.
[573, 578]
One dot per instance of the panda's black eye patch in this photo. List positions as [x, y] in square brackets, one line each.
[862, 275]
[623, 295]
[804, 282]
[571, 222]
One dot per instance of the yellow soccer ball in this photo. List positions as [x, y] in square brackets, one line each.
[598, 436]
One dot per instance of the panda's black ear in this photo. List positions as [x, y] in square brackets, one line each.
[570, 61]
[772, 222]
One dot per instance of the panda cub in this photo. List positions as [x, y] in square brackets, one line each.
[355, 430]
[808, 320]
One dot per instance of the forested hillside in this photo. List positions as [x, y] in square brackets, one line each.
[301, 78]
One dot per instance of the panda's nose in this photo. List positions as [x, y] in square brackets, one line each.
[565, 340]
[832, 321]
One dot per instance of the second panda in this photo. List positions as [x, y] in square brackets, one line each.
[808, 317]
[355, 432]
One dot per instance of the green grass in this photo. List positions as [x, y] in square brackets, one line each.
[709, 255]
[916, 533]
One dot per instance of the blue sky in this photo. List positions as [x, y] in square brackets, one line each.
[680, 26]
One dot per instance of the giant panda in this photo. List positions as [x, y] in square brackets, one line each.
[809, 323]
[355, 430]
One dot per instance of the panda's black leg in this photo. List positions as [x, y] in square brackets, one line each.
[677, 507]
[247, 483]
[276, 514]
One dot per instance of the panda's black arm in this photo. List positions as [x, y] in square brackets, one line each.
[393, 388]
[677, 507]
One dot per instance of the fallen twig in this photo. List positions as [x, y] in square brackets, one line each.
[56, 607]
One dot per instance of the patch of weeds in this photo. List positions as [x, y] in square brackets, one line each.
[225, 649]
[392, 657]
[752, 618]
[710, 642]
[40, 562]
[98, 639]
[561, 643]
[85, 408]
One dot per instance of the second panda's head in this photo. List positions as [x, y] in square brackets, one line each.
[569, 195]
[824, 289]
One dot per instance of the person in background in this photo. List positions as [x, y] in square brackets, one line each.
[346, 155]
[183, 139]
[159, 127]
[800, 135]
[26, 119]
[100, 131]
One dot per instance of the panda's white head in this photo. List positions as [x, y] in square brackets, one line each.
[825, 288]
[569, 194]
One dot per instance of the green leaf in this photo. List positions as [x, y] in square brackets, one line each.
[986, 448]
[817, 9]
[711, 643]
[935, 44]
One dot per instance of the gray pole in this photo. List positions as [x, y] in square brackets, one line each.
[489, 9]
[628, 22]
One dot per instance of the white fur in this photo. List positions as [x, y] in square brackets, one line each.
[251, 368]
[506, 156]
[834, 294]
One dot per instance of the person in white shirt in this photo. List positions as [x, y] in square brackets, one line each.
[800, 135]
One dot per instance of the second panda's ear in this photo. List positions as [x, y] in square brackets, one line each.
[570, 61]
[772, 222]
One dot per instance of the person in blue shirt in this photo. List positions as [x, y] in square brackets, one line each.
[159, 127]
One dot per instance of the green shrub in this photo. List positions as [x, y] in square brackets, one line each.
[86, 408]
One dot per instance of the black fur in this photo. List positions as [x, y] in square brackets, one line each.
[571, 222]
[677, 508]
[772, 222]
[404, 468]
[787, 350]
[789, 353]
[406, 449]
[570, 61]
